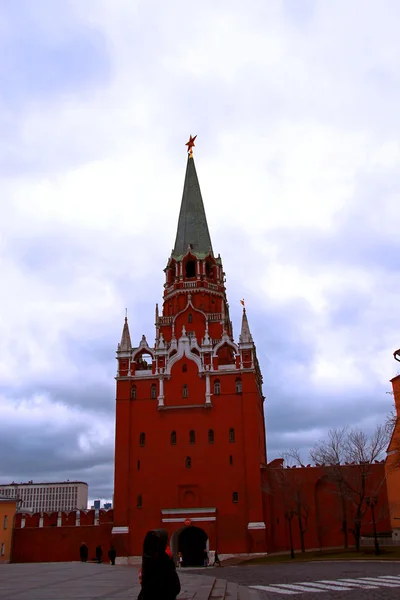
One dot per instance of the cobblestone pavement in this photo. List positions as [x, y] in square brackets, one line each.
[86, 581]
[366, 580]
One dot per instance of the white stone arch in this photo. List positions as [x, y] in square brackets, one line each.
[184, 349]
[225, 340]
[143, 347]
[189, 303]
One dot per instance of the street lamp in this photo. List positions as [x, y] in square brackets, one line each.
[289, 516]
[396, 355]
[372, 502]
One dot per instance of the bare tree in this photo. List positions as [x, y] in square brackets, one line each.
[289, 486]
[301, 509]
[348, 456]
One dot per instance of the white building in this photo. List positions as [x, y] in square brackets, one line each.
[48, 497]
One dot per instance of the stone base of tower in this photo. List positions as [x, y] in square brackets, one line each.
[257, 538]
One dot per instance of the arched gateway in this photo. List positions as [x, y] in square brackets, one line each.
[191, 542]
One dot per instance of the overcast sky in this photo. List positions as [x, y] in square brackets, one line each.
[296, 108]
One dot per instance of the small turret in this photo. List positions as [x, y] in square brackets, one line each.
[125, 345]
[245, 335]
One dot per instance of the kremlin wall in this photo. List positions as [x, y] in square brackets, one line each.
[43, 537]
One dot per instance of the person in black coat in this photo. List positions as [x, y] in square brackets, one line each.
[112, 555]
[99, 553]
[160, 580]
[83, 552]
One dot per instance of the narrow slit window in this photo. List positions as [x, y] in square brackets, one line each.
[210, 436]
[142, 439]
[188, 462]
[232, 435]
[192, 437]
[185, 391]
[238, 386]
[235, 497]
[133, 392]
[173, 438]
[217, 387]
[231, 460]
[153, 391]
[139, 502]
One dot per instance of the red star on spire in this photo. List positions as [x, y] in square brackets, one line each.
[190, 144]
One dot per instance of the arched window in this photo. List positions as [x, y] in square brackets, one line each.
[153, 391]
[235, 497]
[139, 501]
[190, 318]
[133, 392]
[192, 437]
[138, 465]
[232, 435]
[210, 436]
[173, 438]
[142, 439]
[190, 269]
[184, 368]
[217, 387]
[185, 392]
[188, 462]
[238, 386]
[231, 460]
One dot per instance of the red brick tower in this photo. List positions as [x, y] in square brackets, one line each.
[190, 435]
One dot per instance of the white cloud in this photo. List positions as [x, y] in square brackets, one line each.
[295, 108]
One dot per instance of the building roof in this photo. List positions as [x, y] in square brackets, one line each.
[13, 483]
[192, 225]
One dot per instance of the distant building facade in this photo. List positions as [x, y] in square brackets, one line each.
[8, 509]
[47, 497]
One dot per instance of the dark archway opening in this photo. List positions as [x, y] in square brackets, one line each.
[190, 269]
[192, 543]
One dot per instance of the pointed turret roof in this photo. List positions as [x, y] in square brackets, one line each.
[192, 224]
[125, 345]
[245, 335]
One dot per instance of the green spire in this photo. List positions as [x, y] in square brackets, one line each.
[192, 224]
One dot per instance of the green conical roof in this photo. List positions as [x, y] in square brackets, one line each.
[192, 224]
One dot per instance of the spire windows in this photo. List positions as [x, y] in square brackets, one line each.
[217, 387]
[142, 439]
[238, 386]
[185, 391]
[153, 391]
[133, 392]
[173, 438]
[192, 437]
[139, 501]
[210, 436]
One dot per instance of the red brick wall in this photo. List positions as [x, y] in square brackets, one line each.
[51, 543]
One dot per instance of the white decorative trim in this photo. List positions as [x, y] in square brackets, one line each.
[116, 530]
[259, 525]
[194, 519]
[184, 349]
[225, 340]
[193, 511]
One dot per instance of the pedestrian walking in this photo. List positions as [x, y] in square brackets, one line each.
[83, 552]
[99, 553]
[180, 559]
[205, 557]
[216, 559]
[112, 555]
[159, 579]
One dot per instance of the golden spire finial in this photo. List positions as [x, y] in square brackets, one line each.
[190, 144]
[242, 302]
